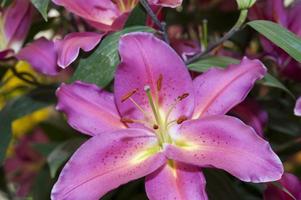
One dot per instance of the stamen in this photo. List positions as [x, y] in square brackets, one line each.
[171, 122]
[183, 96]
[139, 107]
[180, 98]
[155, 127]
[181, 119]
[131, 121]
[159, 82]
[133, 3]
[128, 95]
[127, 120]
[120, 4]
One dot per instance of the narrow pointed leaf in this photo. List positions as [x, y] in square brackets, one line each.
[99, 67]
[5, 3]
[271, 81]
[280, 36]
[18, 108]
[137, 17]
[223, 61]
[61, 154]
[42, 7]
[278, 185]
[212, 61]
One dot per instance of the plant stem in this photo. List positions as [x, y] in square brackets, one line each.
[22, 76]
[242, 18]
[161, 25]
[205, 33]
[73, 22]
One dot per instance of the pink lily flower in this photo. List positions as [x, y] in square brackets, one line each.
[108, 15]
[290, 182]
[297, 109]
[59, 54]
[14, 25]
[23, 166]
[162, 125]
[184, 47]
[251, 113]
[289, 18]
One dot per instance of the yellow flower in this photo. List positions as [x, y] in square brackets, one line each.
[14, 87]
[27, 123]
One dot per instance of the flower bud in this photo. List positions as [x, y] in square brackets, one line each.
[245, 4]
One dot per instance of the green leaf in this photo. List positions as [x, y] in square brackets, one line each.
[137, 17]
[61, 154]
[42, 185]
[212, 61]
[42, 7]
[281, 187]
[222, 61]
[20, 107]
[5, 3]
[99, 67]
[280, 36]
[3, 182]
[44, 149]
[271, 81]
[219, 186]
[245, 4]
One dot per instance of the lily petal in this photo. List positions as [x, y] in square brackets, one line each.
[104, 11]
[294, 15]
[290, 182]
[89, 109]
[166, 3]
[176, 181]
[251, 113]
[16, 23]
[185, 48]
[41, 55]
[116, 25]
[68, 48]
[269, 10]
[146, 60]
[227, 143]
[297, 109]
[107, 161]
[219, 90]
[6, 54]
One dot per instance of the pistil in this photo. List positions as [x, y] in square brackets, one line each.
[160, 125]
[152, 104]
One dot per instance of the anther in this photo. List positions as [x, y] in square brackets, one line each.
[183, 96]
[128, 95]
[127, 120]
[155, 127]
[159, 82]
[181, 119]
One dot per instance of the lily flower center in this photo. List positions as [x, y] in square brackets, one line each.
[159, 121]
[125, 5]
